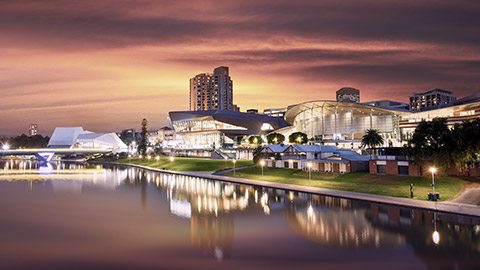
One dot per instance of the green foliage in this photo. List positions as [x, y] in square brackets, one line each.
[372, 139]
[275, 138]
[429, 142]
[142, 146]
[298, 138]
[255, 139]
[433, 142]
[257, 154]
[24, 141]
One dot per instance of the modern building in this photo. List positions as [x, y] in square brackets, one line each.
[77, 137]
[342, 123]
[277, 112]
[388, 104]
[33, 130]
[166, 135]
[348, 94]
[212, 91]
[431, 99]
[203, 132]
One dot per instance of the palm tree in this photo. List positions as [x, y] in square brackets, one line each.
[372, 139]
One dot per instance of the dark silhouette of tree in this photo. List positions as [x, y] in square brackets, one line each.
[24, 141]
[275, 138]
[142, 147]
[298, 138]
[372, 139]
[430, 142]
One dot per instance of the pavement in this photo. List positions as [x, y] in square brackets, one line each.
[454, 207]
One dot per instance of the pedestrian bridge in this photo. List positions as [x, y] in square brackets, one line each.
[46, 154]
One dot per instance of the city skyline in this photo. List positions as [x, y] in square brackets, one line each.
[106, 66]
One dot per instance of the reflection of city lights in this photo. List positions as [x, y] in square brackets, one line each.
[436, 237]
[310, 213]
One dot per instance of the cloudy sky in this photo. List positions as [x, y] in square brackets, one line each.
[107, 64]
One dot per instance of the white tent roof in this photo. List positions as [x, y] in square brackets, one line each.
[68, 136]
[64, 136]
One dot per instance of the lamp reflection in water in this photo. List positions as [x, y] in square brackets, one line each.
[435, 235]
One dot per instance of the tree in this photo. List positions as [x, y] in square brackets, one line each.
[462, 145]
[255, 139]
[275, 138]
[142, 147]
[431, 142]
[372, 139]
[298, 137]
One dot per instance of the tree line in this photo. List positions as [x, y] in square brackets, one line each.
[24, 141]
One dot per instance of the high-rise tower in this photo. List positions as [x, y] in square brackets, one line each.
[212, 91]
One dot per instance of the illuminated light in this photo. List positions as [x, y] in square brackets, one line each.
[140, 156]
[262, 163]
[309, 165]
[436, 237]
[171, 159]
[433, 170]
[157, 158]
[46, 156]
[5, 147]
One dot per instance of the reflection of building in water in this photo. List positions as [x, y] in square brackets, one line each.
[212, 234]
[454, 246]
[338, 225]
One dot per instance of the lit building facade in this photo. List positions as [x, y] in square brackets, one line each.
[212, 91]
[348, 94]
[217, 130]
[431, 99]
[342, 123]
[33, 130]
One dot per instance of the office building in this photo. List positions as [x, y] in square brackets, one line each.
[431, 99]
[33, 130]
[348, 94]
[212, 91]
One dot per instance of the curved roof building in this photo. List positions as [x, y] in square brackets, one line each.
[77, 137]
[343, 122]
[208, 129]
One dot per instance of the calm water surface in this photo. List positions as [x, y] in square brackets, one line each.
[103, 217]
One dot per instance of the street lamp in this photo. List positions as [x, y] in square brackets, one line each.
[309, 165]
[149, 157]
[5, 147]
[157, 158]
[234, 161]
[433, 170]
[262, 163]
[171, 159]
[129, 158]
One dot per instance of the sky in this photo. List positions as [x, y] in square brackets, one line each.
[106, 65]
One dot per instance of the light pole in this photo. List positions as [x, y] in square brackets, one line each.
[309, 165]
[157, 158]
[149, 157]
[234, 161]
[433, 170]
[262, 163]
[171, 159]
[129, 158]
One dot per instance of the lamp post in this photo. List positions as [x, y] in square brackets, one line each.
[262, 163]
[433, 170]
[234, 161]
[309, 165]
[157, 158]
[129, 158]
[171, 159]
[149, 157]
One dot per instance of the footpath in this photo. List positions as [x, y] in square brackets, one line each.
[447, 207]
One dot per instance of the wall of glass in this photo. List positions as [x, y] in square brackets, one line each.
[345, 123]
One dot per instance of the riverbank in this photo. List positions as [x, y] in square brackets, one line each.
[447, 207]
[361, 182]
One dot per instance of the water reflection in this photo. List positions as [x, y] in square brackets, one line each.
[212, 208]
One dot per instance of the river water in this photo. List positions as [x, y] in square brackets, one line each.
[111, 217]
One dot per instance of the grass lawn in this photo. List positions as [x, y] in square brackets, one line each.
[187, 164]
[363, 182]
